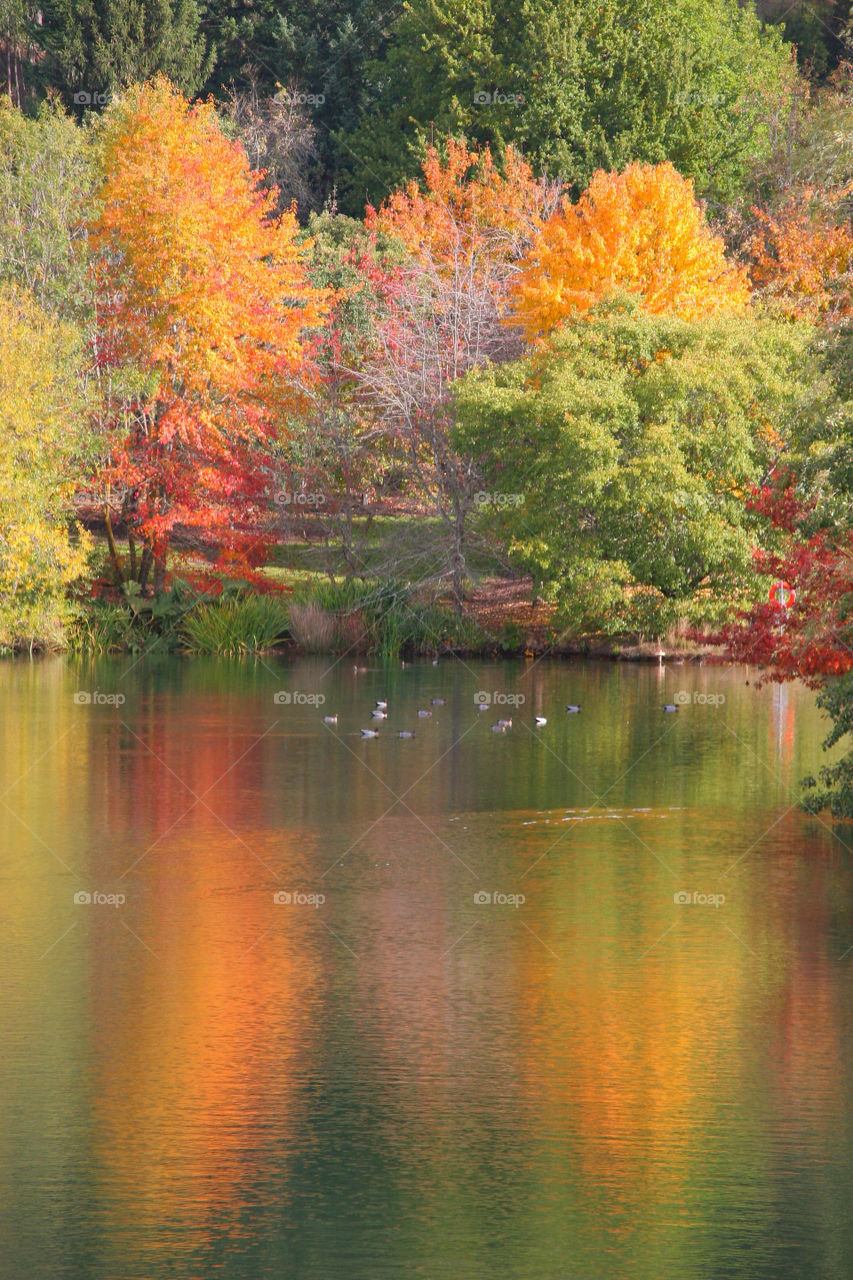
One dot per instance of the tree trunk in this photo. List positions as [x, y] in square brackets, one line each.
[145, 567]
[458, 563]
[111, 543]
[159, 583]
[131, 547]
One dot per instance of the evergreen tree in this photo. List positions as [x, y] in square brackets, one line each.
[96, 47]
[577, 85]
[314, 52]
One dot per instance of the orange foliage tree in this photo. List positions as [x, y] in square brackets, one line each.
[802, 254]
[641, 231]
[203, 302]
[467, 207]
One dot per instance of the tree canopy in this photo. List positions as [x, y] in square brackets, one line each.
[627, 446]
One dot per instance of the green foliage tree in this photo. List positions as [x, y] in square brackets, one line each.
[46, 179]
[577, 85]
[624, 450]
[820, 29]
[19, 21]
[94, 48]
[315, 53]
[41, 550]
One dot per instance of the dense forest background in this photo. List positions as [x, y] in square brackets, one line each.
[343, 97]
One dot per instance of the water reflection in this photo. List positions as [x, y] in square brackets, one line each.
[598, 1080]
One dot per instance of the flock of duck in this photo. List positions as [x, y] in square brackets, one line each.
[380, 713]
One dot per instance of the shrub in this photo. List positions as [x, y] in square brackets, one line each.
[246, 624]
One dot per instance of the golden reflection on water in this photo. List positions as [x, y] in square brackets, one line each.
[213, 1082]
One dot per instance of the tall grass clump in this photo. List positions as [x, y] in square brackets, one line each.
[312, 627]
[383, 618]
[247, 624]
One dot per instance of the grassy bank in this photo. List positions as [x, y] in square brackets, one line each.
[396, 605]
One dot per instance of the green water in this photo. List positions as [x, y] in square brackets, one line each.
[384, 1076]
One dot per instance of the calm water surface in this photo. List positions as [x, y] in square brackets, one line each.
[382, 1075]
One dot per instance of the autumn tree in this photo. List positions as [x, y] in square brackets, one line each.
[204, 305]
[42, 447]
[465, 204]
[802, 254]
[802, 628]
[641, 231]
[442, 310]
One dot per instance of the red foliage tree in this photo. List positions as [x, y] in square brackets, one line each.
[203, 304]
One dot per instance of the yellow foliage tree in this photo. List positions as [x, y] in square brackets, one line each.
[641, 231]
[41, 552]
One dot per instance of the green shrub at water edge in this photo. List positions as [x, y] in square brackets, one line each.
[247, 624]
[136, 624]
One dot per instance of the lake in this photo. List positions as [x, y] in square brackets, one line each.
[565, 1001]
